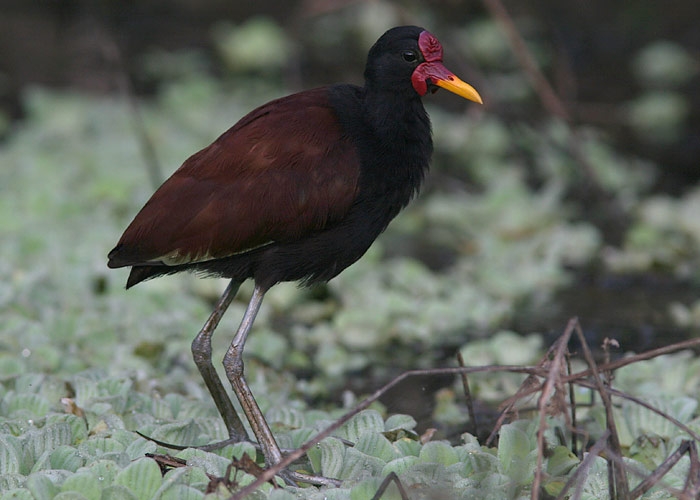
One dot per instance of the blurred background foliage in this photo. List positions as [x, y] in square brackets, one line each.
[527, 218]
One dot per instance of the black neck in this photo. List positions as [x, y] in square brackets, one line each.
[395, 119]
[393, 140]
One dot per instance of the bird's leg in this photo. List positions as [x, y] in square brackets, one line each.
[201, 352]
[233, 364]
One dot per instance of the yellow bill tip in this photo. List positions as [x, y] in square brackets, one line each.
[459, 87]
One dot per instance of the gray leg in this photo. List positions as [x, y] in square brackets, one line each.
[201, 352]
[233, 364]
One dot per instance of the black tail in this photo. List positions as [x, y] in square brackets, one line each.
[142, 273]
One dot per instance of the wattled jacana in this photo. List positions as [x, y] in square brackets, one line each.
[297, 190]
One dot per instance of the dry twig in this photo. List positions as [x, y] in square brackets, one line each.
[544, 370]
[391, 477]
[550, 389]
[473, 427]
[617, 479]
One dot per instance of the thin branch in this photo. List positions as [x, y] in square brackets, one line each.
[692, 484]
[549, 387]
[112, 53]
[583, 467]
[640, 402]
[534, 371]
[473, 427]
[544, 90]
[658, 474]
[619, 487]
[391, 477]
[643, 356]
[572, 401]
[301, 451]
[554, 106]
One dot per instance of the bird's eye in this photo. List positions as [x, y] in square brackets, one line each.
[409, 56]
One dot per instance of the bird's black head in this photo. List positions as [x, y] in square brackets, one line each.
[393, 59]
[407, 60]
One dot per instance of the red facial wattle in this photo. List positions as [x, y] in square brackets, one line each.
[433, 72]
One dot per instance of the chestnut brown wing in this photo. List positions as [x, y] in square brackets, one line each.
[285, 170]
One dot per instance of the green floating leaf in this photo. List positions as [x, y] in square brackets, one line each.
[66, 458]
[17, 494]
[78, 426]
[142, 477]
[41, 463]
[12, 481]
[181, 492]
[239, 449]
[139, 447]
[41, 487]
[513, 450]
[210, 462]
[161, 409]
[521, 350]
[439, 452]
[493, 486]
[70, 495]
[408, 447]
[400, 465]
[300, 436]
[664, 64]
[10, 367]
[177, 483]
[376, 445]
[561, 461]
[257, 45]
[25, 405]
[84, 482]
[367, 489]
[367, 420]
[118, 492]
[101, 447]
[332, 457]
[115, 391]
[487, 44]
[281, 494]
[123, 436]
[338, 494]
[554, 487]
[212, 429]
[357, 465]
[659, 115]
[85, 387]
[432, 475]
[187, 433]
[650, 451]
[188, 475]
[104, 470]
[141, 421]
[397, 422]
[595, 483]
[38, 441]
[10, 453]
[286, 416]
[182, 408]
[30, 382]
[642, 421]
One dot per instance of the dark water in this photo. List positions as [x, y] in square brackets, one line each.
[632, 309]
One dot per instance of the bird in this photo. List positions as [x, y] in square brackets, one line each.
[296, 191]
